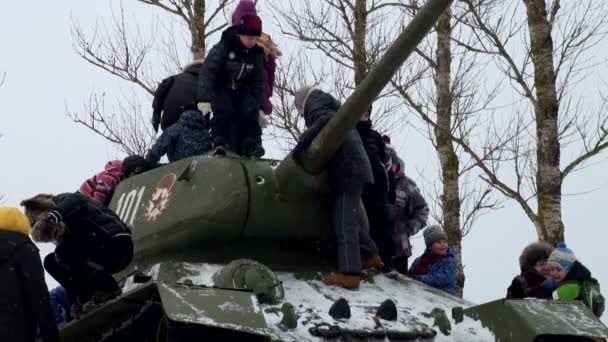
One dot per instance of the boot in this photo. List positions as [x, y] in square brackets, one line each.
[255, 152]
[372, 262]
[345, 280]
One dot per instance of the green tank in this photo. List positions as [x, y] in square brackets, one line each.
[228, 248]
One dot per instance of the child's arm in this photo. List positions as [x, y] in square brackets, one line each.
[161, 146]
[209, 71]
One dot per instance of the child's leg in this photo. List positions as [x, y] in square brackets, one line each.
[347, 228]
[223, 115]
[248, 124]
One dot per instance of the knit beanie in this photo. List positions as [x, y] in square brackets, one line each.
[249, 25]
[534, 253]
[302, 95]
[563, 257]
[432, 234]
[12, 219]
[245, 7]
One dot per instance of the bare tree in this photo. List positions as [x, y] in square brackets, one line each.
[349, 34]
[545, 76]
[136, 55]
[450, 100]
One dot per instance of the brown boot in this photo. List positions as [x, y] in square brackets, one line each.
[372, 262]
[347, 281]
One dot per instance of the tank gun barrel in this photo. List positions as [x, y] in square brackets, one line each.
[333, 134]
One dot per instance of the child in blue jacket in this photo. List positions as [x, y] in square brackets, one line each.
[437, 266]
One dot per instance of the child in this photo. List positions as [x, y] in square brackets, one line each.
[175, 95]
[348, 172]
[271, 53]
[101, 186]
[437, 266]
[187, 138]
[575, 281]
[92, 244]
[408, 212]
[533, 280]
[231, 84]
[24, 297]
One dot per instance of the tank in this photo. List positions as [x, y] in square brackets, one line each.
[229, 248]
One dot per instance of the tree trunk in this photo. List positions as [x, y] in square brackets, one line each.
[359, 54]
[548, 174]
[198, 30]
[450, 199]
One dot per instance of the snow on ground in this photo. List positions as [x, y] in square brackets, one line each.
[312, 300]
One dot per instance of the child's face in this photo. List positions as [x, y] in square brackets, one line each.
[543, 268]
[440, 247]
[557, 273]
[248, 41]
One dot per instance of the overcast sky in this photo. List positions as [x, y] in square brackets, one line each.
[42, 150]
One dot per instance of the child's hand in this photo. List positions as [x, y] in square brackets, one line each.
[263, 120]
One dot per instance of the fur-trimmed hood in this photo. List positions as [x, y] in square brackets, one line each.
[533, 253]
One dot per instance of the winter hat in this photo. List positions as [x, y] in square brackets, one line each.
[302, 95]
[12, 219]
[245, 7]
[562, 256]
[135, 164]
[534, 253]
[433, 233]
[249, 25]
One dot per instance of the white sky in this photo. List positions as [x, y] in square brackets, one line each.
[44, 151]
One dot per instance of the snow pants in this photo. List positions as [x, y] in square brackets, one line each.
[83, 269]
[380, 227]
[235, 120]
[352, 242]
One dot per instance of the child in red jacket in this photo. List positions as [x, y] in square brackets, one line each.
[101, 186]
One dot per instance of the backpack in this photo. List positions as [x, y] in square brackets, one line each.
[592, 297]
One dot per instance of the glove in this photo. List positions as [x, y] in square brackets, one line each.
[263, 120]
[204, 107]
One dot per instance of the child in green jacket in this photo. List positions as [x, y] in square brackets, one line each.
[575, 281]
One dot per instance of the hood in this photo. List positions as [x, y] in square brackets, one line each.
[13, 220]
[578, 272]
[245, 7]
[113, 166]
[193, 67]
[317, 104]
[193, 119]
[449, 255]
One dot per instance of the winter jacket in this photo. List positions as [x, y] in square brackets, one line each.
[569, 288]
[175, 95]
[188, 137]
[409, 213]
[102, 185]
[530, 284]
[349, 166]
[229, 65]
[376, 194]
[88, 224]
[439, 272]
[24, 296]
